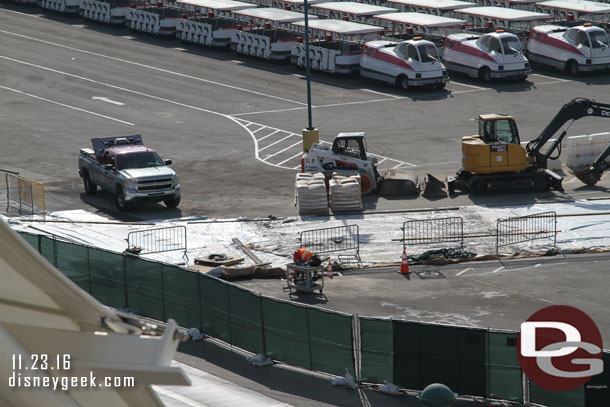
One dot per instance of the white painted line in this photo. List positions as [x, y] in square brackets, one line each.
[107, 100]
[281, 151]
[259, 129]
[275, 142]
[68, 106]
[268, 135]
[498, 269]
[468, 86]
[551, 82]
[271, 111]
[435, 164]
[550, 77]
[463, 271]
[166, 71]
[300, 153]
[23, 14]
[361, 102]
[396, 166]
[391, 159]
[384, 158]
[537, 265]
[298, 167]
[380, 93]
[189, 402]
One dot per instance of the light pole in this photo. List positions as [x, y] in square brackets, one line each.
[310, 134]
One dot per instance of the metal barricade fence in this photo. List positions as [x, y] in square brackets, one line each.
[157, 240]
[335, 239]
[539, 226]
[25, 193]
[428, 231]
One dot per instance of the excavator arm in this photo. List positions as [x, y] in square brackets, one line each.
[570, 112]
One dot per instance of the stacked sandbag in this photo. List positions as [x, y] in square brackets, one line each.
[311, 197]
[345, 193]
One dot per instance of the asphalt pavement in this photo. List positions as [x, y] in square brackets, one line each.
[231, 123]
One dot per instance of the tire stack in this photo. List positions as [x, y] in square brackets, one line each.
[345, 194]
[311, 196]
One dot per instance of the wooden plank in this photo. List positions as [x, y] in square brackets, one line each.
[247, 251]
[206, 261]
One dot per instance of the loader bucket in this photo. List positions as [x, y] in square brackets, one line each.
[399, 183]
[588, 176]
[433, 187]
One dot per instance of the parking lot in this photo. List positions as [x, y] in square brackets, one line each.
[232, 124]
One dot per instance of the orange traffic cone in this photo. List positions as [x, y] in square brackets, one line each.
[329, 271]
[404, 265]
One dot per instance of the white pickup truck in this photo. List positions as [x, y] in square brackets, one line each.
[487, 56]
[410, 63]
[132, 172]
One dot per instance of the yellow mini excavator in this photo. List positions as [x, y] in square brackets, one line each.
[495, 162]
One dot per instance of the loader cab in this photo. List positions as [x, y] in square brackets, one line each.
[498, 129]
[351, 145]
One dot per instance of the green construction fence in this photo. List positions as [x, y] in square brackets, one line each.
[471, 361]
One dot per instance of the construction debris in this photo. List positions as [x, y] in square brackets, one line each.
[215, 260]
[247, 251]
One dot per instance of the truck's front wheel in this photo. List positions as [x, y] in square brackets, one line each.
[121, 204]
[90, 187]
[172, 203]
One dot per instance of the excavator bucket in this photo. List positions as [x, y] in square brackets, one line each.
[589, 176]
[399, 183]
[433, 187]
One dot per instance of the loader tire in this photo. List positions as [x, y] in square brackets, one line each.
[90, 187]
[366, 183]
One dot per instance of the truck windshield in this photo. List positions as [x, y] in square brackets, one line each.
[511, 45]
[428, 53]
[599, 39]
[139, 160]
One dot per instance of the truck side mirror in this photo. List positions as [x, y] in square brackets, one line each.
[168, 162]
[109, 167]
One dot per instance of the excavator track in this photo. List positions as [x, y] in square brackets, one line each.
[498, 183]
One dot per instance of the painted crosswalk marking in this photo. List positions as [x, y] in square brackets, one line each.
[283, 149]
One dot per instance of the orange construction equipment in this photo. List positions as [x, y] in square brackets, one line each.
[404, 265]
[329, 271]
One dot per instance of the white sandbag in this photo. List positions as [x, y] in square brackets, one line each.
[195, 334]
[259, 360]
[389, 388]
[347, 381]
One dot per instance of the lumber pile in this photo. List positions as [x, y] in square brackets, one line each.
[311, 197]
[345, 193]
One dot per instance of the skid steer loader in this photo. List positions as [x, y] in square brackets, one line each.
[348, 154]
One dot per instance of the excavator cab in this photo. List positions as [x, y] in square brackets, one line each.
[497, 147]
[498, 128]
